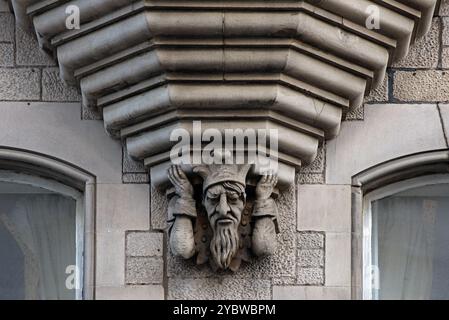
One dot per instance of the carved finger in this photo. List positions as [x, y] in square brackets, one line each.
[269, 178]
[181, 173]
[173, 179]
[275, 180]
[177, 175]
[272, 179]
[170, 175]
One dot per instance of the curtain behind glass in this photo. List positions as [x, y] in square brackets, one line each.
[405, 246]
[44, 226]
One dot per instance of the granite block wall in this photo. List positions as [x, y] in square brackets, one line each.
[314, 256]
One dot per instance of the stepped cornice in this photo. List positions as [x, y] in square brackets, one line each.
[150, 66]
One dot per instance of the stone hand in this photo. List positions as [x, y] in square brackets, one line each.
[266, 186]
[182, 185]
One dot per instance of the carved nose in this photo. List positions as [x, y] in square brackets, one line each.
[223, 207]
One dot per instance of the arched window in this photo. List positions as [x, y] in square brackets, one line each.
[400, 223]
[406, 240]
[41, 238]
[46, 228]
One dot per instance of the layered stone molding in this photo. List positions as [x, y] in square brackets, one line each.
[296, 66]
[152, 67]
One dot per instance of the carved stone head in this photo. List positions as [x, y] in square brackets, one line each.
[235, 227]
[224, 199]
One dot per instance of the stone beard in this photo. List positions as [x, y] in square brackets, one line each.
[224, 245]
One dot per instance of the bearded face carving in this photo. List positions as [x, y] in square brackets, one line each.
[223, 202]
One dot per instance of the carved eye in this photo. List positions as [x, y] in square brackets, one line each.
[233, 198]
[213, 197]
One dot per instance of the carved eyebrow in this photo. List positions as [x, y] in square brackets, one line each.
[212, 194]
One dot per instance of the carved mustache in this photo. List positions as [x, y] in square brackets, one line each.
[221, 219]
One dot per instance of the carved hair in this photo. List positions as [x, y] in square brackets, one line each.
[236, 187]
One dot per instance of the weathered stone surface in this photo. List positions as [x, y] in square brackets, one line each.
[388, 132]
[144, 244]
[6, 55]
[445, 58]
[310, 178]
[6, 27]
[219, 288]
[284, 281]
[28, 51]
[356, 114]
[90, 114]
[380, 94]
[338, 259]
[425, 52]
[311, 293]
[444, 8]
[316, 166]
[136, 178]
[147, 292]
[421, 86]
[310, 240]
[324, 208]
[53, 89]
[310, 276]
[178, 267]
[310, 258]
[130, 165]
[20, 84]
[446, 31]
[159, 207]
[144, 270]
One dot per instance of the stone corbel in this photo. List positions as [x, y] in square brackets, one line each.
[151, 67]
[225, 221]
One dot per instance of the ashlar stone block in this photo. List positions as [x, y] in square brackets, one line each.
[324, 208]
[221, 288]
[144, 244]
[144, 270]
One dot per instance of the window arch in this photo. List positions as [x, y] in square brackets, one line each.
[47, 219]
[399, 208]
